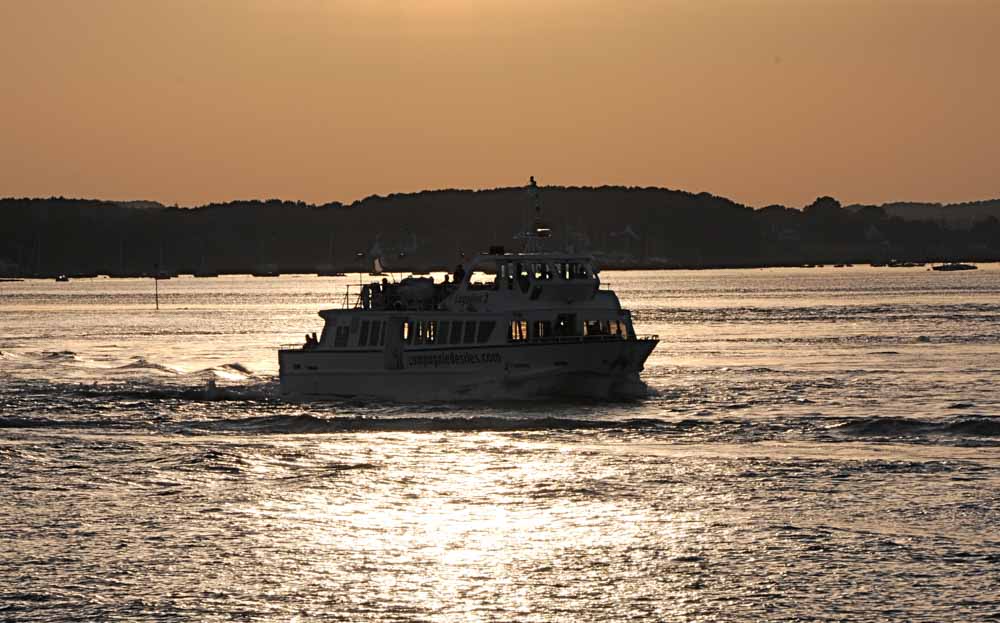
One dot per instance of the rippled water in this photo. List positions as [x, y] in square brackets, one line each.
[818, 444]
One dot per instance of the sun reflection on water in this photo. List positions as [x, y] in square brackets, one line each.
[467, 527]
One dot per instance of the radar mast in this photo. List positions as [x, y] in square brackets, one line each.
[540, 230]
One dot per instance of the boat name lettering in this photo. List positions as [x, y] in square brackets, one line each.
[452, 359]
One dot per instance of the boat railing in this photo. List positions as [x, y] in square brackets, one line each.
[575, 339]
[351, 300]
[561, 339]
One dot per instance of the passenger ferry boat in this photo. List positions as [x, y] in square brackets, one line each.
[508, 326]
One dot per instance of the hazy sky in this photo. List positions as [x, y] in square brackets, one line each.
[763, 102]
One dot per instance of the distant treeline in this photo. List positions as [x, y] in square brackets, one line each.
[624, 227]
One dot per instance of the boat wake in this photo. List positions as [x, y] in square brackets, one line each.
[142, 364]
[138, 397]
[896, 428]
[97, 368]
[310, 424]
[64, 389]
[255, 409]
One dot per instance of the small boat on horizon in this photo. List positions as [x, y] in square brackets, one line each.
[953, 266]
[267, 270]
[327, 270]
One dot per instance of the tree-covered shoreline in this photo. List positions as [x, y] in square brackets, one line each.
[623, 227]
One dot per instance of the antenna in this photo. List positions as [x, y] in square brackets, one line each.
[533, 189]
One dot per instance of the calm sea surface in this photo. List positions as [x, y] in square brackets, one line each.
[817, 444]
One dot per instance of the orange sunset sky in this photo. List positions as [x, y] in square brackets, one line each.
[763, 102]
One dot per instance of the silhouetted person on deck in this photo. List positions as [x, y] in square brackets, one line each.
[443, 289]
[380, 295]
[459, 274]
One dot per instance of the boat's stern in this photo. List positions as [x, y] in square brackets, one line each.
[294, 374]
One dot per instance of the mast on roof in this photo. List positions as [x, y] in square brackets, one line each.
[540, 230]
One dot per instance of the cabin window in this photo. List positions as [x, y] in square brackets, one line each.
[618, 328]
[596, 327]
[456, 332]
[340, 339]
[543, 329]
[375, 335]
[425, 332]
[518, 331]
[442, 335]
[579, 271]
[523, 280]
[470, 332]
[485, 331]
[540, 270]
[565, 325]
[407, 332]
[363, 335]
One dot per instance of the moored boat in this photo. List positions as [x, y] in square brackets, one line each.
[954, 266]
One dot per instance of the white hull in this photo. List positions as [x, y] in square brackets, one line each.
[510, 326]
[581, 368]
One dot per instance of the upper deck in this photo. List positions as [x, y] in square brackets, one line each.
[501, 282]
[497, 282]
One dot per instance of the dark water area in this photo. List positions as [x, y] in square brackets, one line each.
[815, 445]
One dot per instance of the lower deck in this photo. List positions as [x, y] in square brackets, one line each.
[595, 366]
